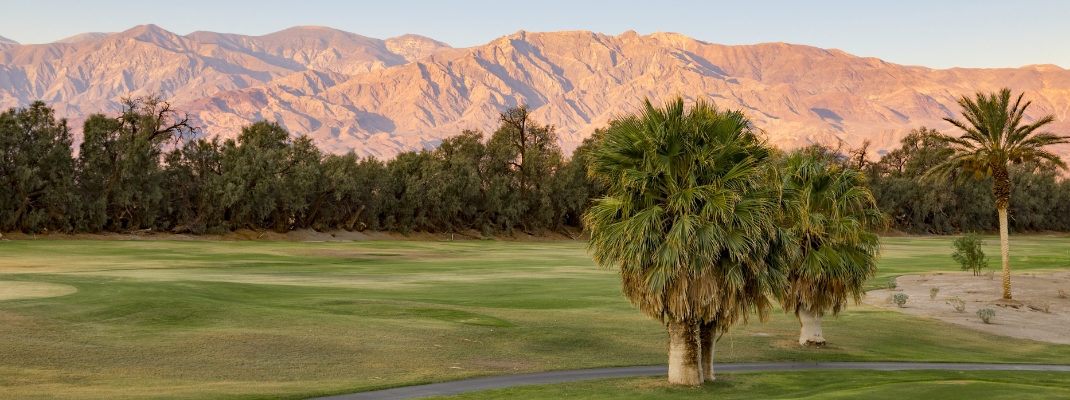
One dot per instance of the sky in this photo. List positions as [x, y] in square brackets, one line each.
[937, 34]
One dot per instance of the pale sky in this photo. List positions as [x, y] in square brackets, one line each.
[938, 34]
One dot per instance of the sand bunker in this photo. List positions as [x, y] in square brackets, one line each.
[1042, 315]
[12, 290]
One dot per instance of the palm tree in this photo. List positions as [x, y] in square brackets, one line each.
[828, 211]
[686, 221]
[994, 137]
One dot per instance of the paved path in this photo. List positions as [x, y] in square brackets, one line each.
[495, 382]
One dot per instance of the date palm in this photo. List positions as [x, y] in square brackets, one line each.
[686, 221]
[828, 212]
[995, 136]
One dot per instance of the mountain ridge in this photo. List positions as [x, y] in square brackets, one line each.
[382, 96]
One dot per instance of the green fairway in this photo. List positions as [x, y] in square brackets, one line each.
[196, 319]
[870, 385]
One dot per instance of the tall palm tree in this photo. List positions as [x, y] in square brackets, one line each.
[828, 212]
[995, 136]
[686, 221]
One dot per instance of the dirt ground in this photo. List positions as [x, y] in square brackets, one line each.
[1042, 314]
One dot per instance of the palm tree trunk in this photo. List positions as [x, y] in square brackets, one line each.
[1005, 248]
[708, 343]
[684, 368]
[810, 327]
[1001, 190]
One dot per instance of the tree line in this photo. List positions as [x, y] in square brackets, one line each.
[916, 203]
[145, 169]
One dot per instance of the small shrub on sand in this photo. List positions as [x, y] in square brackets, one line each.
[1042, 307]
[900, 299]
[968, 253]
[1062, 294]
[892, 285]
[932, 292]
[986, 314]
[957, 303]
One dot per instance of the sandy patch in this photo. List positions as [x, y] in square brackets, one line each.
[1036, 292]
[12, 290]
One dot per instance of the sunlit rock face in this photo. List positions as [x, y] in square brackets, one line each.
[380, 97]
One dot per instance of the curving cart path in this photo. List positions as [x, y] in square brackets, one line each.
[539, 378]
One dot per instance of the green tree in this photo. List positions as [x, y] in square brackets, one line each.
[119, 165]
[267, 177]
[994, 138]
[572, 189]
[829, 213]
[337, 200]
[687, 221]
[36, 170]
[193, 180]
[527, 154]
[968, 253]
[459, 189]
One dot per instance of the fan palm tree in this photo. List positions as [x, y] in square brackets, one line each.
[828, 212]
[686, 221]
[995, 136]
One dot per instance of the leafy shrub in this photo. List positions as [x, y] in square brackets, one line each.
[892, 285]
[900, 299]
[986, 314]
[957, 303]
[932, 292]
[968, 253]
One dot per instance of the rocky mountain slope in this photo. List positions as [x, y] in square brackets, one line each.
[379, 97]
[6, 43]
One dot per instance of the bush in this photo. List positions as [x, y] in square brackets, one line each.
[900, 299]
[986, 314]
[892, 284]
[969, 254]
[932, 292]
[957, 303]
[1062, 294]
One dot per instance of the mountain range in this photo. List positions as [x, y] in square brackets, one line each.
[380, 97]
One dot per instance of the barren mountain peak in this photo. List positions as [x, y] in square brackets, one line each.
[85, 37]
[414, 47]
[8, 41]
[1044, 67]
[150, 33]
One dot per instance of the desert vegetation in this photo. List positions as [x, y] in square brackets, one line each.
[969, 254]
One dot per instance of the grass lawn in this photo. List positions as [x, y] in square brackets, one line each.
[870, 385]
[292, 320]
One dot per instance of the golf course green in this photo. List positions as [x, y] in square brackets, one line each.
[214, 319]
